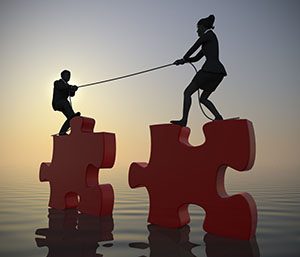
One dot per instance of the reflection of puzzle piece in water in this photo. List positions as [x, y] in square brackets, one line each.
[179, 174]
[74, 234]
[225, 247]
[167, 242]
[73, 172]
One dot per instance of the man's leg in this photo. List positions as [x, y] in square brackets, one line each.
[69, 113]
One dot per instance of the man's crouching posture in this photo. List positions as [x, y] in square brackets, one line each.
[61, 91]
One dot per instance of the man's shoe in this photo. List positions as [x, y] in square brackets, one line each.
[62, 134]
[75, 114]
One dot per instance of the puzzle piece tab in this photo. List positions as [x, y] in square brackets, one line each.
[73, 172]
[179, 174]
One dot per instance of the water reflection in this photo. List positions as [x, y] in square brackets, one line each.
[226, 247]
[73, 234]
[164, 242]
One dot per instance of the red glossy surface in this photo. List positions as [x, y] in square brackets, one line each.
[73, 172]
[179, 174]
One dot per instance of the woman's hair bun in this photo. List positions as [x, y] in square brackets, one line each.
[207, 22]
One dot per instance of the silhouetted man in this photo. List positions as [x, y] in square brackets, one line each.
[61, 91]
[209, 76]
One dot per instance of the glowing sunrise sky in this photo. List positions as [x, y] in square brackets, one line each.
[99, 39]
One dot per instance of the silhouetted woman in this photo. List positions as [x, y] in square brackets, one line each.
[211, 73]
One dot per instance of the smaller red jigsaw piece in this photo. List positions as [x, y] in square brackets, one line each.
[73, 172]
[179, 174]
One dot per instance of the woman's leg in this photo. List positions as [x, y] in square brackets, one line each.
[187, 101]
[209, 105]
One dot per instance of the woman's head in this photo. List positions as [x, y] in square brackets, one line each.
[205, 24]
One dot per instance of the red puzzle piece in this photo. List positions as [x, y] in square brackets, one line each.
[179, 174]
[73, 172]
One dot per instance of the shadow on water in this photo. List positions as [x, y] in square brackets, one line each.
[71, 233]
[165, 242]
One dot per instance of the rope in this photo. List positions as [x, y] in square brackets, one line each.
[141, 72]
[125, 76]
[200, 96]
[70, 100]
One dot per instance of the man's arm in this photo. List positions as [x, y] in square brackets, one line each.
[60, 85]
[72, 90]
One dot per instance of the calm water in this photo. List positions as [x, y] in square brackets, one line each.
[28, 228]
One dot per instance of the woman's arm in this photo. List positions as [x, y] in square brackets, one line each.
[197, 44]
[195, 58]
[186, 58]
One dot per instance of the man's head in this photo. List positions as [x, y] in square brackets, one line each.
[65, 75]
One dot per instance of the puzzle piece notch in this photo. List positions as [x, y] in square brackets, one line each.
[179, 174]
[73, 172]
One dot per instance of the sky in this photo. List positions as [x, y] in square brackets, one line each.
[96, 40]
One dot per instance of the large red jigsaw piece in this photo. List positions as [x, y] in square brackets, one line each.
[179, 174]
[73, 172]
